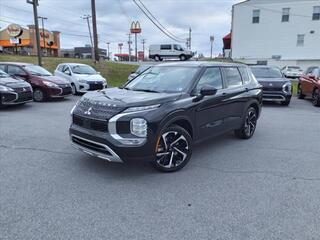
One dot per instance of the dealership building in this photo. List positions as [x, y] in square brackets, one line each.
[20, 40]
[276, 32]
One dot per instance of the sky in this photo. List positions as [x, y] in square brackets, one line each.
[114, 17]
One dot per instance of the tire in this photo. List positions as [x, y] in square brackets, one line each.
[182, 57]
[173, 150]
[286, 102]
[74, 89]
[316, 97]
[38, 95]
[157, 58]
[249, 124]
[299, 93]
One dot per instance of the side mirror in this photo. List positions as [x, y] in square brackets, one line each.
[208, 90]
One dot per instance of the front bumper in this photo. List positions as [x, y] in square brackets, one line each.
[273, 96]
[14, 98]
[86, 87]
[59, 92]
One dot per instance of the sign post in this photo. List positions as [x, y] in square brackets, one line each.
[135, 29]
[211, 41]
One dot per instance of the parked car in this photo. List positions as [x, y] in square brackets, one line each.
[158, 52]
[309, 85]
[292, 71]
[276, 87]
[43, 83]
[82, 77]
[14, 91]
[163, 112]
[140, 70]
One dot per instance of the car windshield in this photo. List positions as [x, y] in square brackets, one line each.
[83, 69]
[37, 70]
[163, 79]
[3, 74]
[293, 68]
[266, 72]
[142, 69]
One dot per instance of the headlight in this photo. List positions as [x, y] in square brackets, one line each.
[50, 84]
[139, 127]
[286, 88]
[140, 109]
[6, 89]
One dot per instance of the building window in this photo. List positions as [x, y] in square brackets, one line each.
[285, 14]
[316, 13]
[256, 16]
[300, 40]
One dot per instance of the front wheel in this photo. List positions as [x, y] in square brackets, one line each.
[173, 150]
[74, 89]
[38, 95]
[249, 126]
[316, 98]
[182, 57]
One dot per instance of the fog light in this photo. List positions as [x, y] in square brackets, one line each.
[139, 127]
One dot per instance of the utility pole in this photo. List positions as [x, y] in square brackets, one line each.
[43, 35]
[129, 44]
[143, 43]
[211, 41]
[87, 17]
[190, 38]
[35, 4]
[94, 28]
[108, 44]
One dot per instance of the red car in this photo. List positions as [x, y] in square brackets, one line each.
[44, 84]
[309, 85]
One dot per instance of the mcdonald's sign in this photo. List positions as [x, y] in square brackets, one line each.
[135, 27]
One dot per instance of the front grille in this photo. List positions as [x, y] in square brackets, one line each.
[95, 86]
[88, 123]
[91, 145]
[272, 89]
[66, 91]
[22, 89]
[24, 96]
[98, 110]
[8, 97]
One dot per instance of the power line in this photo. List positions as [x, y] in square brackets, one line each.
[163, 31]
[159, 22]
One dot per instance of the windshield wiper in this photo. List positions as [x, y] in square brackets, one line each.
[145, 90]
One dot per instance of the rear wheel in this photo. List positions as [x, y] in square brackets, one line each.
[157, 58]
[249, 126]
[38, 95]
[316, 97]
[73, 89]
[300, 95]
[173, 150]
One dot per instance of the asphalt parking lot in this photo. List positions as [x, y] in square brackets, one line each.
[264, 188]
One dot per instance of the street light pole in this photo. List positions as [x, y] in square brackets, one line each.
[211, 41]
[35, 4]
[43, 35]
[87, 17]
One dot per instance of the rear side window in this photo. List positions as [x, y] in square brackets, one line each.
[316, 72]
[65, 69]
[60, 68]
[233, 77]
[244, 75]
[3, 67]
[212, 77]
[165, 47]
[15, 70]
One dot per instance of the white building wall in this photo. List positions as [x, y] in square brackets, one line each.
[270, 37]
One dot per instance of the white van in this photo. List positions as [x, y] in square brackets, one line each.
[160, 51]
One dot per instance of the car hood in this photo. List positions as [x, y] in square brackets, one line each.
[127, 98]
[274, 81]
[13, 82]
[88, 77]
[53, 79]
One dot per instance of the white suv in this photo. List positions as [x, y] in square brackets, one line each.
[160, 51]
[82, 77]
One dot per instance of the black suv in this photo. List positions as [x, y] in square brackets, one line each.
[160, 114]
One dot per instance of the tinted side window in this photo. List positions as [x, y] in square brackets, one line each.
[14, 70]
[165, 47]
[3, 67]
[316, 72]
[212, 77]
[233, 77]
[244, 75]
[60, 68]
[66, 69]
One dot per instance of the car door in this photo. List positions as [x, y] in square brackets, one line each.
[67, 74]
[306, 82]
[235, 96]
[58, 71]
[166, 50]
[210, 111]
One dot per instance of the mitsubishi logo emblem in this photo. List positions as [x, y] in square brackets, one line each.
[23, 89]
[270, 84]
[88, 112]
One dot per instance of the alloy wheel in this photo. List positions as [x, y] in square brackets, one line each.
[250, 123]
[73, 89]
[38, 95]
[172, 150]
[316, 97]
